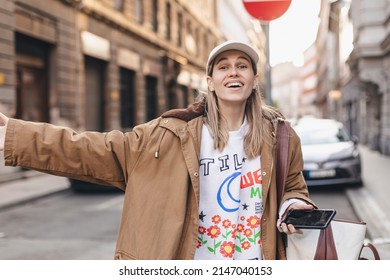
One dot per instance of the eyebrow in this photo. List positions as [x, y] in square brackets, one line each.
[225, 58]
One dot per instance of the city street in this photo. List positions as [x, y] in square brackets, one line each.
[180, 105]
[84, 226]
[67, 225]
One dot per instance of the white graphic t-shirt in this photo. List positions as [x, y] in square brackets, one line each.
[230, 205]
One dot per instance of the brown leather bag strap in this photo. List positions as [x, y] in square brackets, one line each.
[326, 249]
[373, 250]
[281, 157]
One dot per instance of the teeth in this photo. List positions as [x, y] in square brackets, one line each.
[235, 84]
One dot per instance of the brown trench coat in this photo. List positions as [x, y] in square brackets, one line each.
[157, 165]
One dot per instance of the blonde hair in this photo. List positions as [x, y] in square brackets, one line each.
[255, 111]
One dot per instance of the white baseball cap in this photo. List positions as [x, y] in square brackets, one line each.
[233, 45]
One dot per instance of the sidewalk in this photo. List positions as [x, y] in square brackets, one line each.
[20, 186]
[371, 202]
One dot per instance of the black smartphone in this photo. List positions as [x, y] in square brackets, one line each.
[313, 219]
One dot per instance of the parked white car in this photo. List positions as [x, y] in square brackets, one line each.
[331, 156]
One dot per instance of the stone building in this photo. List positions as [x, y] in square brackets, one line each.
[329, 63]
[354, 86]
[367, 96]
[109, 64]
[102, 64]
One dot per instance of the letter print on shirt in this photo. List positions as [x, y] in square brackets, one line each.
[230, 205]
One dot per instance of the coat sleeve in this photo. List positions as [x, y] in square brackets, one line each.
[95, 157]
[295, 182]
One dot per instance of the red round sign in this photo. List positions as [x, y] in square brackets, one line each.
[266, 10]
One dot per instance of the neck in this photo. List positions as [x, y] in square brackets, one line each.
[234, 115]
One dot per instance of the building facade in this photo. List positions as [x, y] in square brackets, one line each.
[309, 80]
[102, 64]
[286, 89]
[109, 64]
[328, 71]
[294, 87]
[353, 42]
[367, 96]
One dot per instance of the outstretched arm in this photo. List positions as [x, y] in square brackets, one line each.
[89, 156]
[3, 128]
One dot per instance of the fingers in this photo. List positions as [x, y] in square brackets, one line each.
[289, 228]
[285, 228]
[301, 206]
[306, 206]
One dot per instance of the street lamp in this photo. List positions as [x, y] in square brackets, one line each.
[265, 11]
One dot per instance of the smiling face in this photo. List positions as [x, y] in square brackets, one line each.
[232, 78]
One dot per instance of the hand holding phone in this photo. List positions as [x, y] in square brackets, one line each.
[312, 219]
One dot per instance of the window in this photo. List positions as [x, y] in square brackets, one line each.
[151, 97]
[168, 21]
[32, 69]
[180, 29]
[128, 109]
[118, 5]
[139, 11]
[155, 15]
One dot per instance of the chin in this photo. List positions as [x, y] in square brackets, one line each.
[235, 97]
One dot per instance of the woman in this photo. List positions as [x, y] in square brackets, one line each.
[199, 182]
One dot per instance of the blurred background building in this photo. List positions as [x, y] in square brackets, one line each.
[109, 64]
[366, 98]
[112, 64]
[286, 88]
[346, 72]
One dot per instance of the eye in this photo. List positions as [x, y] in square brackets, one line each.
[223, 67]
[242, 66]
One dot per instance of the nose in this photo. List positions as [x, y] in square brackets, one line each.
[233, 71]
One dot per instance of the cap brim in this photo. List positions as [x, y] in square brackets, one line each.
[232, 45]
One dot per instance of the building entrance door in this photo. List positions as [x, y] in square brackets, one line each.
[94, 94]
[32, 101]
[32, 97]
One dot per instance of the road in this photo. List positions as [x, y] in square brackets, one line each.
[69, 226]
[65, 226]
[334, 198]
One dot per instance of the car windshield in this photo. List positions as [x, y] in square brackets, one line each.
[314, 133]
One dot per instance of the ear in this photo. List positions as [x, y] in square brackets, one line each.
[256, 81]
[210, 84]
[255, 84]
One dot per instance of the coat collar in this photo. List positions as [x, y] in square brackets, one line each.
[195, 110]
[190, 115]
